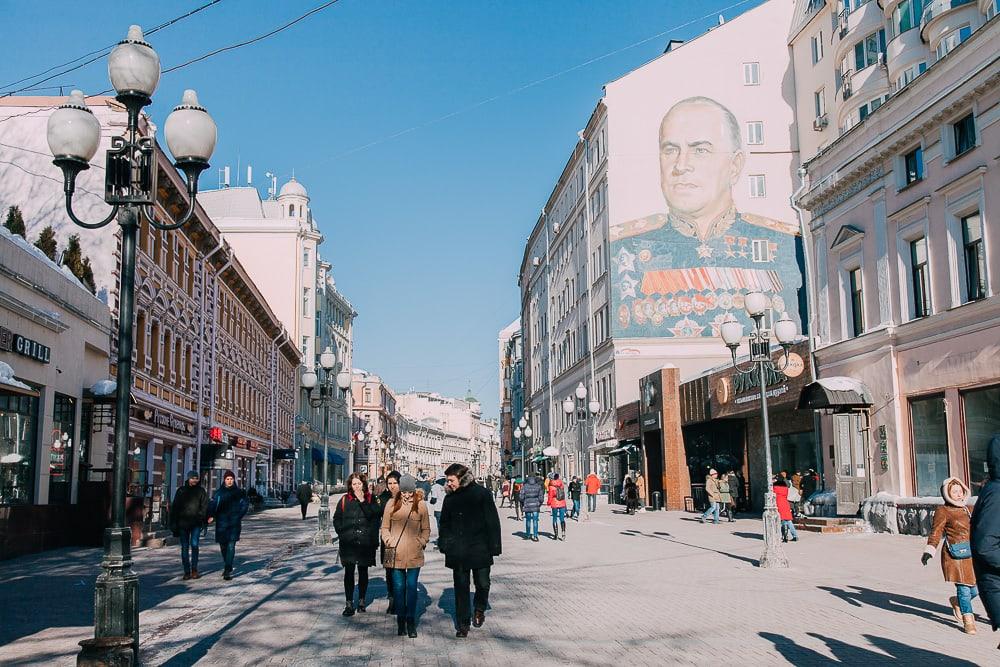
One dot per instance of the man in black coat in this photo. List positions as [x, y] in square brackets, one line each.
[986, 535]
[469, 538]
[187, 516]
[304, 494]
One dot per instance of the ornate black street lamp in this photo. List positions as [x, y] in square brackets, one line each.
[74, 134]
[759, 341]
[584, 415]
[327, 397]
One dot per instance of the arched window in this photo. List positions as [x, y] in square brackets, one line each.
[154, 345]
[167, 349]
[291, 210]
[178, 359]
[140, 339]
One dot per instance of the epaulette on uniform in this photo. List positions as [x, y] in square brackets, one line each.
[770, 223]
[637, 227]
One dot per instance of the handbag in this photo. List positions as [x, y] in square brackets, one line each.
[959, 550]
[390, 552]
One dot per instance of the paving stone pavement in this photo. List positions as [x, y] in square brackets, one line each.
[653, 589]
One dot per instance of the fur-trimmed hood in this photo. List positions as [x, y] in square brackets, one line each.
[466, 480]
[944, 491]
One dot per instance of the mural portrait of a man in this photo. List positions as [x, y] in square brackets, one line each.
[681, 272]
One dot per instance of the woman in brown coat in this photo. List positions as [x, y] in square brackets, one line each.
[406, 529]
[951, 522]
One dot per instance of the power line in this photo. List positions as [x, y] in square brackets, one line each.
[521, 88]
[51, 178]
[98, 54]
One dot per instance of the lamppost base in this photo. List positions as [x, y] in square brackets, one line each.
[322, 535]
[774, 555]
[116, 597]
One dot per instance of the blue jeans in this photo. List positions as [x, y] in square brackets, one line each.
[592, 502]
[531, 524]
[558, 516]
[189, 548]
[713, 509]
[965, 595]
[576, 508]
[788, 530]
[405, 592]
[228, 550]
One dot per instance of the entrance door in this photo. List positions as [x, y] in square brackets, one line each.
[851, 461]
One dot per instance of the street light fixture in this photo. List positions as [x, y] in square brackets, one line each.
[759, 342]
[327, 397]
[584, 412]
[73, 134]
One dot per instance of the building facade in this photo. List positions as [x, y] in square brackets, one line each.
[903, 228]
[375, 405]
[511, 395]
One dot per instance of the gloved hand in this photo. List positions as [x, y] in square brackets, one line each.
[925, 557]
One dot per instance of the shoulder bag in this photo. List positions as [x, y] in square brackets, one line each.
[390, 552]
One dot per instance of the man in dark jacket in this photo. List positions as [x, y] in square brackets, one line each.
[187, 516]
[304, 494]
[575, 489]
[986, 535]
[532, 495]
[469, 539]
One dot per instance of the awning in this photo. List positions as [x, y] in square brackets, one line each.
[550, 451]
[835, 393]
[539, 459]
[622, 450]
[332, 456]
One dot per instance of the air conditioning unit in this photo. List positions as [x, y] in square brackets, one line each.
[881, 60]
[820, 122]
[847, 92]
[556, 227]
[536, 261]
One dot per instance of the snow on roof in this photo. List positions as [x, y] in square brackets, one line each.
[7, 377]
[29, 247]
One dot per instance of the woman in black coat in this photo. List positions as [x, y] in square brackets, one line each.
[986, 536]
[228, 507]
[356, 521]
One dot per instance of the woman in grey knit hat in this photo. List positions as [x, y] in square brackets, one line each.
[406, 529]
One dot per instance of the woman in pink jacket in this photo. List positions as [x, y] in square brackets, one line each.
[557, 503]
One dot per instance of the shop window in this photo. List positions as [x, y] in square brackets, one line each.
[793, 452]
[982, 424]
[61, 449]
[929, 434]
[18, 423]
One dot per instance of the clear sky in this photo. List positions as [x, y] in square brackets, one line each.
[426, 151]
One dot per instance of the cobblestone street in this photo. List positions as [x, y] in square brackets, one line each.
[655, 588]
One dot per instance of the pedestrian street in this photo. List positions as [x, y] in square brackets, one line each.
[651, 589]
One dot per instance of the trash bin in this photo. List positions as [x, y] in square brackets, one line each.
[657, 501]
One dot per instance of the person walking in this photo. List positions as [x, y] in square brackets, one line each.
[592, 487]
[952, 523]
[532, 494]
[631, 495]
[714, 497]
[640, 489]
[986, 535]
[387, 496]
[188, 512]
[516, 498]
[726, 496]
[228, 507]
[406, 529]
[781, 487]
[575, 489]
[356, 521]
[734, 493]
[470, 539]
[505, 493]
[304, 494]
[437, 501]
[556, 500]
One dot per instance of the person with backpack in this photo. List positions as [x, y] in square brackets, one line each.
[356, 521]
[557, 503]
[531, 500]
[952, 524]
[575, 488]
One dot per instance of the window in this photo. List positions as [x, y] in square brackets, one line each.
[305, 258]
[755, 132]
[291, 210]
[819, 101]
[817, 47]
[913, 165]
[751, 74]
[929, 434]
[975, 259]
[368, 395]
[757, 185]
[992, 9]
[906, 16]
[910, 73]
[866, 52]
[854, 5]
[951, 40]
[61, 449]
[982, 422]
[868, 108]
[918, 278]
[965, 134]
[18, 423]
[305, 300]
[857, 303]
[761, 250]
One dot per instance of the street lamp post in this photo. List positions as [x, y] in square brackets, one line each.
[760, 364]
[584, 411]
[327, 397]
[73, 135]
[525, 425]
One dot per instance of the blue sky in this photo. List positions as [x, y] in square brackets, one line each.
[424, 210]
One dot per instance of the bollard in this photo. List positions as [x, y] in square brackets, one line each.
[657, 501]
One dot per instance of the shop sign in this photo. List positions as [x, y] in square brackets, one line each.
[166, 420]
[215, 434]
[18, 344]
[244, 443]
[733, 393]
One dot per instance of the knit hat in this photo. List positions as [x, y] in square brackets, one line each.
[193, 474]
[407, 484]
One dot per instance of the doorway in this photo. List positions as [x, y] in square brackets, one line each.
[851, 462]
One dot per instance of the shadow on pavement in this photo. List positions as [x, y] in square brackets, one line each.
[666, 538]
[901, 604]
[749, 536]
[848, 654]
[447, 604]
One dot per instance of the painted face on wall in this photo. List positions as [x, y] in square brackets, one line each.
[699, 162]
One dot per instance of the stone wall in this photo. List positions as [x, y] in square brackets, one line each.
[886, 513]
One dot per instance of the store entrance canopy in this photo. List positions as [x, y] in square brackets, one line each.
[835, 393]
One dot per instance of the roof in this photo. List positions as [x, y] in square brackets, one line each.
[293, 189]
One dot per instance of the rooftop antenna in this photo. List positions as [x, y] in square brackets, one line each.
[238, 167]
[249, 175]
[224, 177]
[273, 190]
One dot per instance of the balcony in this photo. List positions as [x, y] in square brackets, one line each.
[943, 16]
[905, 50]
[854, 25]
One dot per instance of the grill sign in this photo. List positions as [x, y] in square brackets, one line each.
[12, 342]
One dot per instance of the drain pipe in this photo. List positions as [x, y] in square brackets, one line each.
[810, 286]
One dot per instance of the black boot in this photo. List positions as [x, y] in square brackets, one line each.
[411, 628]
[563, 536]
[349, 610]
[400, 626]
[392, 606]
